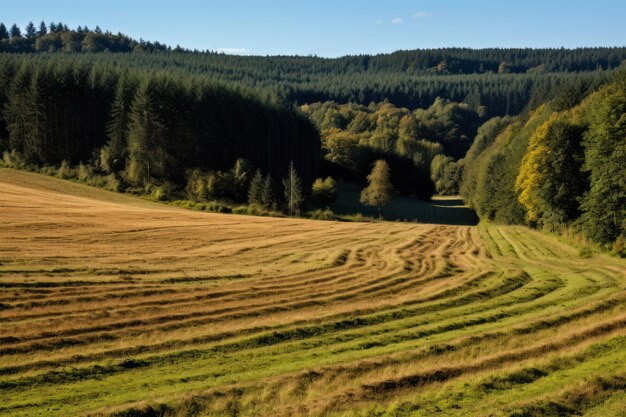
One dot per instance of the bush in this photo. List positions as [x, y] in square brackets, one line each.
[320, 214]
[216, 207]
[112, 183]
[48, 170]
[585, 252]
[324, 192]
[619, 247]
[65, 171]
[13, 160]
[241, 210]
[84, 172]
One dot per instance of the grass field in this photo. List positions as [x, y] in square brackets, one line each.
[114, 305]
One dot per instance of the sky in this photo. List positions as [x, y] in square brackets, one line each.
[332, 28]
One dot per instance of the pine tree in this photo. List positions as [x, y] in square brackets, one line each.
[15, 32]
[42, 29]
[53, 27]
[293, 190]
[241, 177]
[147, 136]
[255, 192]
[112, 155]
[379, 191]
[268, 200]
[31, 32]
[140, 132]
[4, 33]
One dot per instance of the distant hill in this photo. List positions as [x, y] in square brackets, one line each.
[503, 80]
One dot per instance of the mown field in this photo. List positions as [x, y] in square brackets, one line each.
[114, 305]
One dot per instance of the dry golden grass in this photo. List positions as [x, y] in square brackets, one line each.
[109, 302]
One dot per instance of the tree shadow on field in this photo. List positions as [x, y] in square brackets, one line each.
[440, 210]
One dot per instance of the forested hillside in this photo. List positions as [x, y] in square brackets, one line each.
[558, 168]
[142, 125]
[505, 81]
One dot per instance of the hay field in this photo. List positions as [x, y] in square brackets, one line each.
[114, 305]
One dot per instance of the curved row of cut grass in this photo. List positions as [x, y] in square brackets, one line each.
[110, 307]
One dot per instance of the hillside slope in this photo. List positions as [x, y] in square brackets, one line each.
[110, 303]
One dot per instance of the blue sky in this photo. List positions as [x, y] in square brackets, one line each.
[339, 27]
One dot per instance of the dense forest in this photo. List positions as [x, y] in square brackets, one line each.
[144, 126]
[505, 81]
[527, 136]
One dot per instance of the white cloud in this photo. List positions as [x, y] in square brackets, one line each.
[233, 51]
[422, 14]
[397, 21]
[378, 22]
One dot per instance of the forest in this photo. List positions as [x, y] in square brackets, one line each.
[143, 127]
[560, 168]
[505, 81]
[526, 136]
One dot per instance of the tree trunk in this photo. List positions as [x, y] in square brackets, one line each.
[380, 211]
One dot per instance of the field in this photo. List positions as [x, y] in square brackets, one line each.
[114, 305]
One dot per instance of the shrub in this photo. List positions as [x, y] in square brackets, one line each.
[320, 214]
[619, 247]
[13, 160]
[216, 207]
[324, 192]
[84, 172]
[112, 183]
[241, 210]
[65, 171]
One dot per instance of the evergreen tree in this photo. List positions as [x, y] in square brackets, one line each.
[255, 192]
[42, 29]
[53, 27]
[241, 173]
[4, 33]
[293, 191]
[141, 126]
[379, 191]
[31, 32]
[147, 138]
[15, 32]
[113, 154]
[268, 200]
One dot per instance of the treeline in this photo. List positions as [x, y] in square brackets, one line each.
[144, 126]
[505, 81]
[562, 167]
[57, 37]
[412, 142]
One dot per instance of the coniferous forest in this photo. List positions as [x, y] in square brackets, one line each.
[453, 120]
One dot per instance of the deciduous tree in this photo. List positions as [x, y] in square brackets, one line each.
[379, 191]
